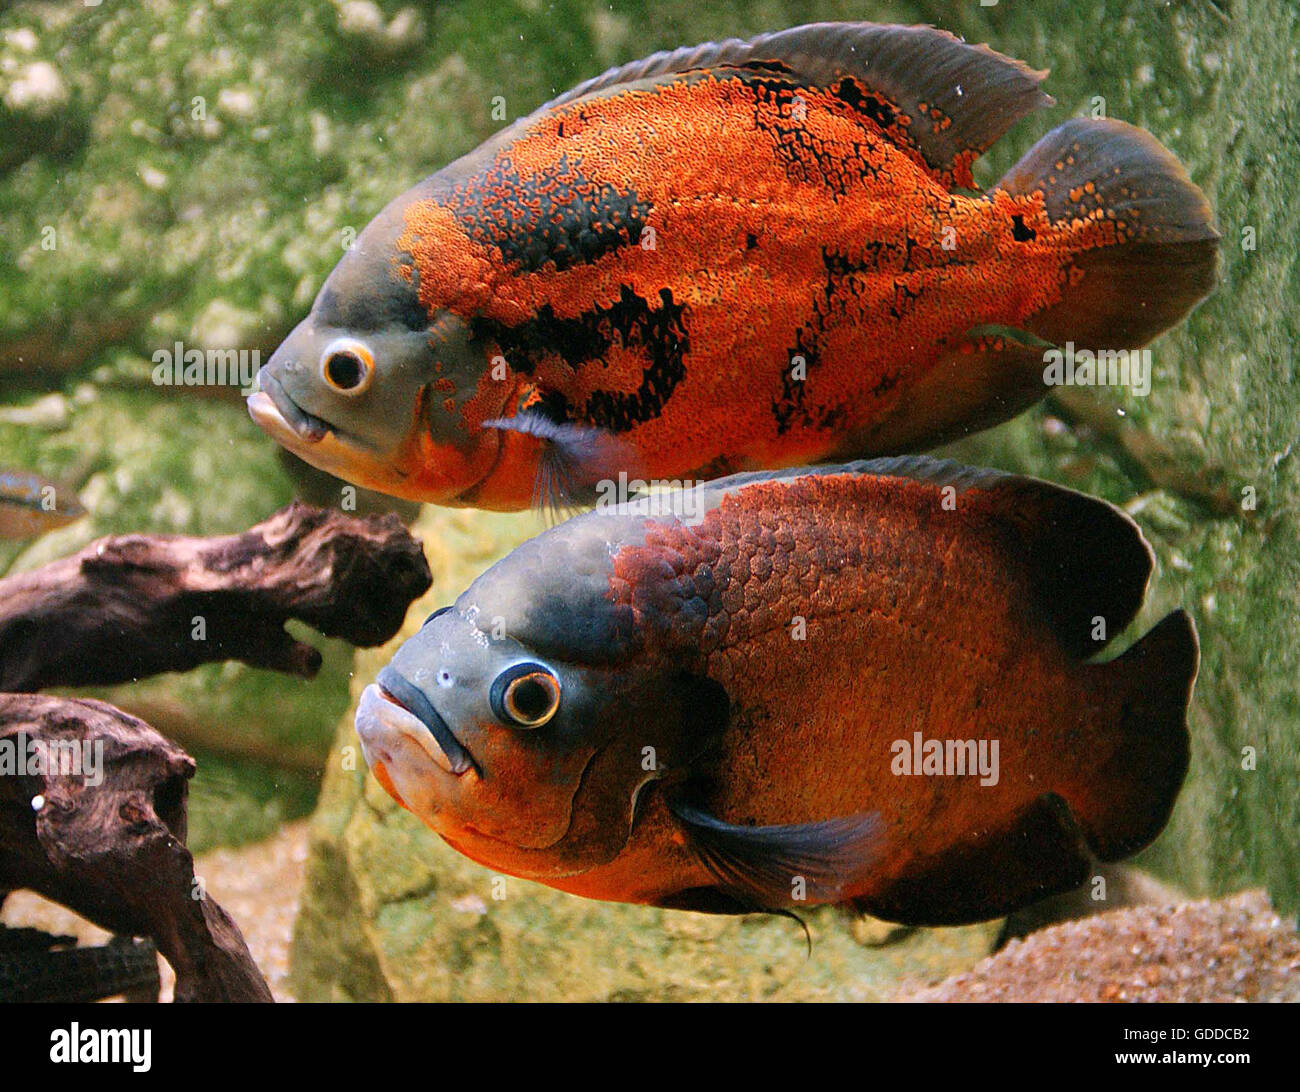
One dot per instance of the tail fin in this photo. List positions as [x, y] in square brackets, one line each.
[1125, 803]
[1163, 261]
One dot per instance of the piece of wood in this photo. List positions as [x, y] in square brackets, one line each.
[92, 800]
[1146, 459]
[92, 816]
[135, 605]
[40, 967]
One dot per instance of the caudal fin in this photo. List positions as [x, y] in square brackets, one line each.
[1159, 261]
[1125, 802]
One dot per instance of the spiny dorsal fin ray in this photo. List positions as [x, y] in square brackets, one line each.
[972, 94]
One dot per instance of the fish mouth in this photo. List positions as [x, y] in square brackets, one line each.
[275, 412]
[324, 445]
[438, 740]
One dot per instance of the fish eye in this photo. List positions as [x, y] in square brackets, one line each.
[347, 365]
[526, 695]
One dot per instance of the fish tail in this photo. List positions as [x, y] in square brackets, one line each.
[1145, 247]
[1125, 803]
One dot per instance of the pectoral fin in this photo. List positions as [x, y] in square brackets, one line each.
[783, 866]
[573, 458]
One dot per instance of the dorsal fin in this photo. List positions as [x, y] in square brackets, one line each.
[959, 98]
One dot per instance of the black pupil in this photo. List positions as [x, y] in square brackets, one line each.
[344, 370]
[531, 699]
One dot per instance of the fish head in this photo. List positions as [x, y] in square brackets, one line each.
[525, 719]
[372, 385]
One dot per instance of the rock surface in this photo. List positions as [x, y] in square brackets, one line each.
[1224, 950]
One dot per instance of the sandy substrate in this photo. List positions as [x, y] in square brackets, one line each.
[1234, 949]
[259, 887]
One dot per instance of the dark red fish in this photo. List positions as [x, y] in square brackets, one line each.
[870, 684]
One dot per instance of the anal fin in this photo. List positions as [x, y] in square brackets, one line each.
[988, 377]
[1039, 852]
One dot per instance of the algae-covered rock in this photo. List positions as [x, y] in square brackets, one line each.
[389, 912]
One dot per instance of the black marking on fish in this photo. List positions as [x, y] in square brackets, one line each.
[870, 106]
[792, 408]
[558, 215]
[778, 112]
[1019, 232]
[631, 323]
[662, 334]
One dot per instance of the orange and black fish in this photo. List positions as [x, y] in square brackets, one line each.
[742, 255]
[866, 684]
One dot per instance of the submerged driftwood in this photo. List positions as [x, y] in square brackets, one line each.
[39, 966]
[93, 807]
[136, 605]
[97, 823]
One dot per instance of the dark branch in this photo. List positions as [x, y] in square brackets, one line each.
[104, 835]
[136, 605]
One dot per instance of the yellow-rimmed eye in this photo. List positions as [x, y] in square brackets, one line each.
[526, 695]
[347, 365]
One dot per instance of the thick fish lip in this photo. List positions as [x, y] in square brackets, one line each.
[413, 708]
[275, 412]
[382, 722]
